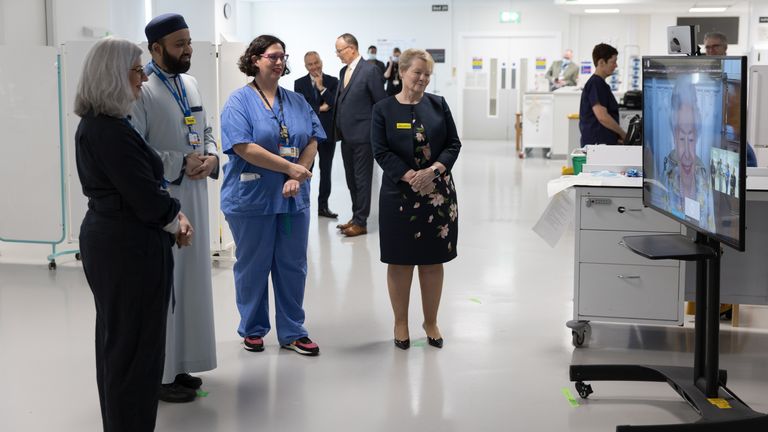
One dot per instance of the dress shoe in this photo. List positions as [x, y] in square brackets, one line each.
[326, 212]
[403, 344]
[345, 225]
[354, 230]
[188, 381]
[437, 343]
[175, 393]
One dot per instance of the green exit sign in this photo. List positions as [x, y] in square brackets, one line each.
[509, 17]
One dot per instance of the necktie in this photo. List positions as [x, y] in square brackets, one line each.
[347, 75]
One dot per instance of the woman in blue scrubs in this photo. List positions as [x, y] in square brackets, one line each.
[270, 135]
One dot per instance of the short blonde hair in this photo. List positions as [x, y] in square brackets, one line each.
[411, 54]
[105, 86]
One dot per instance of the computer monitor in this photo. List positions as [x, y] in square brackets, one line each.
[694, 142]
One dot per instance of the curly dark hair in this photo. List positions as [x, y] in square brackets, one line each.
[258, 47]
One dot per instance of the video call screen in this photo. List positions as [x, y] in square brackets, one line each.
[694, 158]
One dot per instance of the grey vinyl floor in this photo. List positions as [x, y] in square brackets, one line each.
[504, 366]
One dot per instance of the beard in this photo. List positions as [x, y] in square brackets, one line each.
[175, 65]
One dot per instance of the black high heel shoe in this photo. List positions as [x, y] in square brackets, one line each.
[437, 343]
[404, 344]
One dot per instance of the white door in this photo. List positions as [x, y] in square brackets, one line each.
[491, 83]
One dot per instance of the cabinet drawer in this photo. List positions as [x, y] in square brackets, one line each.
[627, 291]
[623, 214]
[602, 247]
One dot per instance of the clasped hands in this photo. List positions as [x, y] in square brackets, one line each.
[184, 234]
[421, 181]
[297, 174]
[199, 166]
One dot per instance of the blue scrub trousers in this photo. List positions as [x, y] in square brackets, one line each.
[275, 244]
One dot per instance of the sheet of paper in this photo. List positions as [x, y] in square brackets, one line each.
[558, 185]
[557, 217]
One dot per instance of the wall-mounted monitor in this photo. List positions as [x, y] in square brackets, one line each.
[694, 142]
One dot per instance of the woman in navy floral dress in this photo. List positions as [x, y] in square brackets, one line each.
[415, 142]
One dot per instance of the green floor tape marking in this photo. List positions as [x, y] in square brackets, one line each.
[571, 400]
[201, 393]
[475, 299]
[417, 344]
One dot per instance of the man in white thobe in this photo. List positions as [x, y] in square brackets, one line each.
[170, 116]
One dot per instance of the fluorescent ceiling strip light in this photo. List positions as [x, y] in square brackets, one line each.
[708, 9]
[601, 11]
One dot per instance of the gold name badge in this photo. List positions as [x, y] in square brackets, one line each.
[189, 121]
[403, 125]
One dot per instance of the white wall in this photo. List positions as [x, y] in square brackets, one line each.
[22, 22]
[315, 26]
[758, 33]
[127, 19]
[200, 15]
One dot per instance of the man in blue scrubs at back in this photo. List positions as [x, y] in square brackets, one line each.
[599, 111]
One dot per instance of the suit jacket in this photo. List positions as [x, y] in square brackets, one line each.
[304, 87]
[352, 116]
[393, 144]
[570, 76]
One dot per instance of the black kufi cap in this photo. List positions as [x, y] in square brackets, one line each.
[163, 25]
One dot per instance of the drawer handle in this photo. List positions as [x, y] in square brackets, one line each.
[627, 277]
[623, 209]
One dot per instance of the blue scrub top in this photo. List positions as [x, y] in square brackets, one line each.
[592, 132]
[249, 189]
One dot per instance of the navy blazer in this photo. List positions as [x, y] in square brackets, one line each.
[393, 145]
[352, 116]
[304, 86]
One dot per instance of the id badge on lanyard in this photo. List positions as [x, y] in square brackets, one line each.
[285, 149]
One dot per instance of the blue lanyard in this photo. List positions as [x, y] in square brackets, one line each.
[182, 100]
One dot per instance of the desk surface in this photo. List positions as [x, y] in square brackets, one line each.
[754, 184]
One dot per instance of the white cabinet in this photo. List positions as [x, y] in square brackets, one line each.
[611, 283]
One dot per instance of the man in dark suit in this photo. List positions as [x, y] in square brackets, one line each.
[359, 89]
[320, 90]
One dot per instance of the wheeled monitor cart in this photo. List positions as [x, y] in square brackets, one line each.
[704, 385]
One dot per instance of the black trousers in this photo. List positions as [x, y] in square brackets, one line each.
[325, 150]
[358, 168]
[130, 271]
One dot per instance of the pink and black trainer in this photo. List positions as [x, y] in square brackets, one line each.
[303, 346]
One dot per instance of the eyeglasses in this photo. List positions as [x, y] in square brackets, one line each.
[138, 69]
[338, 51]
[275, 57]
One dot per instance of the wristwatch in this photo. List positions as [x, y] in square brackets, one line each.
[436, 171]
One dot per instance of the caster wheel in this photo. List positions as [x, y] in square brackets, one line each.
[52, 265]
[584, 390]
[548, 155]
[578, 337]
[78, 257]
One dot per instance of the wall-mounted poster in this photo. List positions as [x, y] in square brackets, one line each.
[477, 63]
[541, 63]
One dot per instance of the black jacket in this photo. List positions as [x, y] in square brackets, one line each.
[393, 146]
[352, 116]
[304, 86]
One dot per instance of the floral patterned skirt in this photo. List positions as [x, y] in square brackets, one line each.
[418, 229]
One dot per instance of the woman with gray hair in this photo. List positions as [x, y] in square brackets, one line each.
[125, 238]
[416, 144]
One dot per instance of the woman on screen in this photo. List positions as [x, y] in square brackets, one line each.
[689, 195]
